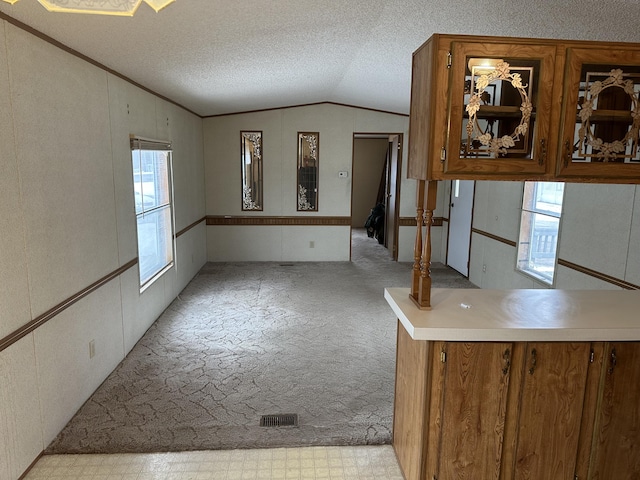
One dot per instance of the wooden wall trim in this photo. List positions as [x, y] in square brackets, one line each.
[411, 221]
[306, 105]
[494, 237]
[189, 227]
[599, 275]
[62, 46]
[26, 329]
[573, 266]
[30, 467]
[217, 220]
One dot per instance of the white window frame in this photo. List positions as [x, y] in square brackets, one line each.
[153, 203]
[538, 239]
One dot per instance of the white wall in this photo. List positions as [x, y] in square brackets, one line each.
[599, 230]
[336, 125]
[68, 220]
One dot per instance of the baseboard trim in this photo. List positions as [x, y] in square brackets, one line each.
[30, 467]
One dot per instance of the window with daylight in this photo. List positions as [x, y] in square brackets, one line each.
[539, 227]
[152, 192]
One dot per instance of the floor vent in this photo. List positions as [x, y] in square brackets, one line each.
[282, 420]
[286, 264]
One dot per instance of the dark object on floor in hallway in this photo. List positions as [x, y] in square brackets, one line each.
[375, 223]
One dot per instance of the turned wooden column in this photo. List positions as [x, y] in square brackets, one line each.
[422, 297]
[417, 248]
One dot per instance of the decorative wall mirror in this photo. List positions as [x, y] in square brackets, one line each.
[308, 150]
[251, 161]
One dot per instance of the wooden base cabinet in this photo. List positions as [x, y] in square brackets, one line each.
[467, 429]
[517, 410]
[616, 440]
[550, 409]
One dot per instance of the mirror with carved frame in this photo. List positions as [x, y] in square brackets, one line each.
[308, 157]
[251, 162]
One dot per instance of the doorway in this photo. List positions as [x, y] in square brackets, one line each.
[460, 218]
[375, 185]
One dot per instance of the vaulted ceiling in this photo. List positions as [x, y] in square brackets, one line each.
[225, 56]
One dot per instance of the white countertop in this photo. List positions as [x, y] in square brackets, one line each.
[520, 315]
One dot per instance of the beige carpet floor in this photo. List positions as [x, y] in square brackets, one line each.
[245, 340]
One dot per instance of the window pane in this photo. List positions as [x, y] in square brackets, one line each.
[537, 245]
[161, 176]
[151, 180]
[543, 197]
[137, 179]
[154, 242]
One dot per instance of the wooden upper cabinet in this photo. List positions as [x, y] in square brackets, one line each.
[601, 114]
[498, 108]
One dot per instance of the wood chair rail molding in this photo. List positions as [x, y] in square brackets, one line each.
[298, 220]
[40, 320]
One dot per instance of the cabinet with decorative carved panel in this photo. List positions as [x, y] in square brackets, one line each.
[500, 108]
[601, 114]
[525, 109]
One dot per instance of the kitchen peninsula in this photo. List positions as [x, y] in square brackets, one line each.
[537, 384]
[502, 384]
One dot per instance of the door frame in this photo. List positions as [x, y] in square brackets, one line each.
[398, 179]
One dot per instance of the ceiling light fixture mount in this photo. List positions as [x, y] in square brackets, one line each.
[124, 8]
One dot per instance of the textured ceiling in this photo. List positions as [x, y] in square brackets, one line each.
[224, 56]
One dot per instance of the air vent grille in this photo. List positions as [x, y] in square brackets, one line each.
[280, 420]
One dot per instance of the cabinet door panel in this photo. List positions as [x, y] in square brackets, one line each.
[500, 110]
[473, 410]
[616, 452]
[551, 409]
[601, 114]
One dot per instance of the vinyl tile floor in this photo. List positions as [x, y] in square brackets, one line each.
[327, 463]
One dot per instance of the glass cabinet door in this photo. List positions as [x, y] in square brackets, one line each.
[601, 122]
[500, 106]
